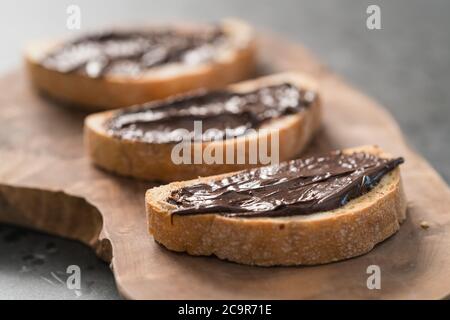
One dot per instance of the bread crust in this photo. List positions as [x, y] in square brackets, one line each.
[112, 92]
[319, 238]
[153, 161]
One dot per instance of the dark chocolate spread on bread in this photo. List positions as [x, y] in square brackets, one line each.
[297, 187]
[223, 114]
[132, 52]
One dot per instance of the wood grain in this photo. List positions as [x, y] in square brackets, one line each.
[47, 183]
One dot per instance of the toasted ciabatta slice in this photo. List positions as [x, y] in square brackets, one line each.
[233, 60]
[321, 237]
[153, 161]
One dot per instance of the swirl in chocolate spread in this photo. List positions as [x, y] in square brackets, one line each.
[224, 114]
[132, 53]
[297, 187]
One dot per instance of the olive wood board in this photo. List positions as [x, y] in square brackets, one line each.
[47, 183]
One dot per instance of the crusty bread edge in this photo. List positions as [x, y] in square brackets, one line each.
[153, 161]
[346, 232]
[118, 91]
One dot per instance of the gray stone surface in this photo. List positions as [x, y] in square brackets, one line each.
[405, 66]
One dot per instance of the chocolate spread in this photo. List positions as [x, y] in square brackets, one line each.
[223, 114]
[132, 53]
[298, 187]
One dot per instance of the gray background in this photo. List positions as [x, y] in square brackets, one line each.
[405, 66]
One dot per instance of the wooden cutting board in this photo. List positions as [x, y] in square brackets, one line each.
[47, 183]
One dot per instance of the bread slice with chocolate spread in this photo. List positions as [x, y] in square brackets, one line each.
[308, 217]
[277, 115]
[122, 67]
